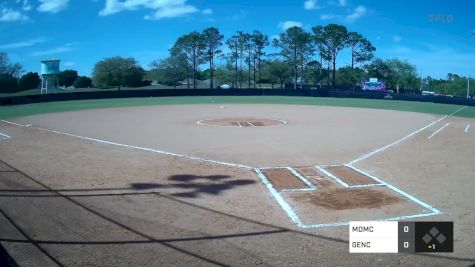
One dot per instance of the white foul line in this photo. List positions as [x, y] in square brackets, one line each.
[439, 130]
[239, 124]
[363, 157]
[466, 128]
[13, 123]
[6, 136]
[142, 148]
[250, 124]
[390, 145]
[453, 113]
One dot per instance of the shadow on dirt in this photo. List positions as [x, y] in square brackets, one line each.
[195, 185]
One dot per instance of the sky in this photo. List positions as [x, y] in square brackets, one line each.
[437, 36]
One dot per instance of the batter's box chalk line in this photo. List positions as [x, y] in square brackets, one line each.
[295, 218]
[310, 185]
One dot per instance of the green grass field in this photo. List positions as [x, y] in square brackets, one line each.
[8, 112]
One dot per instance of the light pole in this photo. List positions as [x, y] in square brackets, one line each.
[421, 81]
[468, 87]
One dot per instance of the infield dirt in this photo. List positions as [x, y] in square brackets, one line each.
[90, 203]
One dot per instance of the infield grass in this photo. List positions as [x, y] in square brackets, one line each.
[8, 112]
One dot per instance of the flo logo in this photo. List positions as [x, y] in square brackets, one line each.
[440, 18]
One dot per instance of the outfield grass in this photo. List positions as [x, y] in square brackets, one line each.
[8, 112]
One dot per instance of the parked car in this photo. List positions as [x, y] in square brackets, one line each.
[224, 86]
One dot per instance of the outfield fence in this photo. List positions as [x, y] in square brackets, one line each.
[28, 99]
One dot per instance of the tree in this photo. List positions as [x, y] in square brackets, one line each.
[402, 74]
[296, 48]
[67, 77]
[8, 83]
[213, 40]
[117, 71]
[349, 76]
[82, 82]
[314, 72]
[242, 39]
[361, 49]
[260, 41]
[30, 80]
[193, 47]
[170, 71]
[249, 45]
[233, 56]
[278, 71]
[7, 68]
[224, 74]
[378, 69]
[332, 39]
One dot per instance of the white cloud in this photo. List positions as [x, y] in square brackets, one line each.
[171, 12]
[311, 5]
[53, 51]
[397, 38]
[162, 8]
[207, 11]
[22, 44]
[329, 16]
[52, 6]
[289, 24]
[10, 15]
[342, 2]
[25, 4]
[358, 12]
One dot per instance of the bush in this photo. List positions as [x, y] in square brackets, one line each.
[31, 80]
[67, 77]
[118, 71]
[82, 82]
[8, 83]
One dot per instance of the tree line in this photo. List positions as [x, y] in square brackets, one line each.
[301, 58]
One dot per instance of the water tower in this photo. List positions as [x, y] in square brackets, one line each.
[49, 74]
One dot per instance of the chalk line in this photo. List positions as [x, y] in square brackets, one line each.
[250, 124]
[438, 131]
[4, 136]
[143, 148]
[407, 195]
[363, 157]
[283, 204]
[466, 128]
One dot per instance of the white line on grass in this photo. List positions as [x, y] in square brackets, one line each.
[466, 128]
[438, 131]
[453, 113]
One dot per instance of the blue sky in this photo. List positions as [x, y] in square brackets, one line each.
[434, 35]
